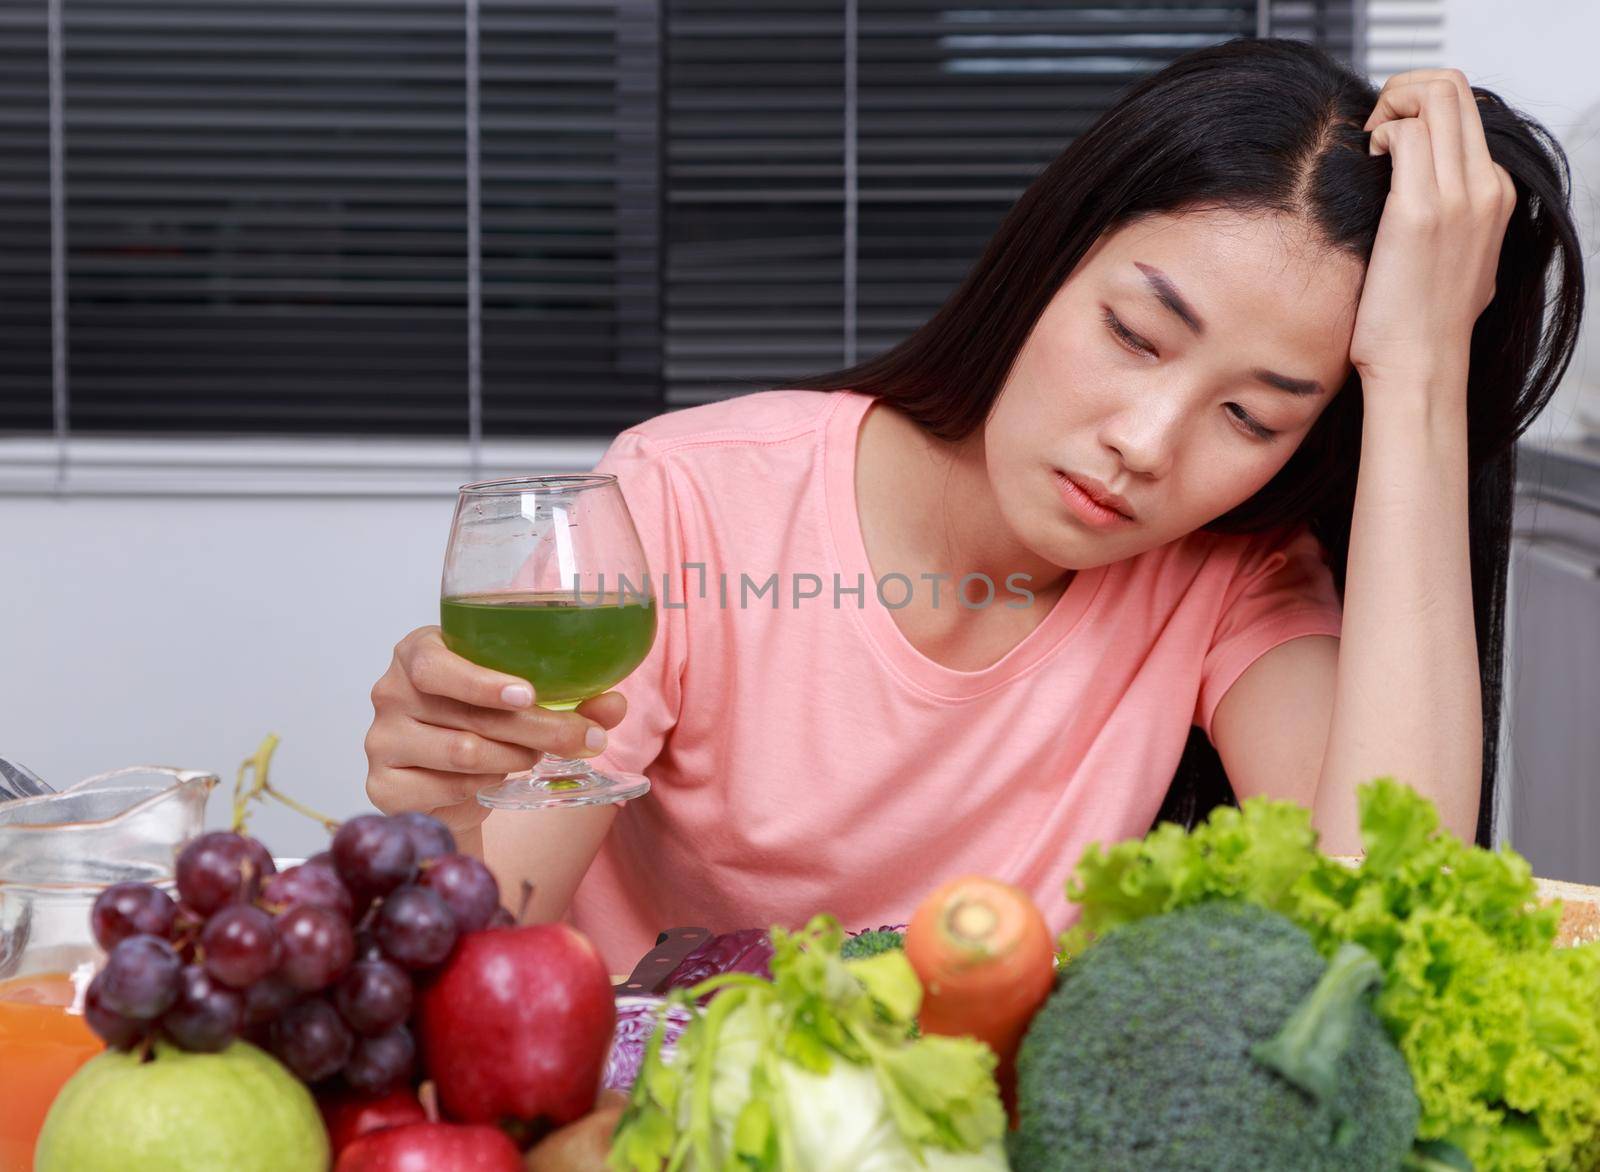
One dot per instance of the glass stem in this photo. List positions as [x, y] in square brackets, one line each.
[557, 768]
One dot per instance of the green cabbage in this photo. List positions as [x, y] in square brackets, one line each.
[1501, 1029]
[813, 1071]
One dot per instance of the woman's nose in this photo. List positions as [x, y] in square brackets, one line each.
[1144, 438]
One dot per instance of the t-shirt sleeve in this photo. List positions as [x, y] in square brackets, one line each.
[1281, 588]
[654, 689]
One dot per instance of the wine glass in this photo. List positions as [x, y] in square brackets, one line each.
[545, 579]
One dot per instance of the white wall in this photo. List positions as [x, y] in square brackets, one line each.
[181, 631]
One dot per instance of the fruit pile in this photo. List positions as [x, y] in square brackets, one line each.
[317, 964]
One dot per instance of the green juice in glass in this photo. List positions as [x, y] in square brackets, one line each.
[567, 651]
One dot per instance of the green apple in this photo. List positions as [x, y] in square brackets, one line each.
[238, 1110]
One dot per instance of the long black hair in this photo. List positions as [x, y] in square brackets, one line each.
[1267, 125]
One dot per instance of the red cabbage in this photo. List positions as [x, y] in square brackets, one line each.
[636, 1021]
[748, 950]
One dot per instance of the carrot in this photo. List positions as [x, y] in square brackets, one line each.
[984, 956]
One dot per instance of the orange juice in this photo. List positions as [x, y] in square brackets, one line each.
[42, 1044]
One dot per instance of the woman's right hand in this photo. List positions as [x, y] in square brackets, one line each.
[443, 728]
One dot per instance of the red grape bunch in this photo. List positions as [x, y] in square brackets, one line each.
[316, 963]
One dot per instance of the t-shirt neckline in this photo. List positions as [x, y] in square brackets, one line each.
[842, 429]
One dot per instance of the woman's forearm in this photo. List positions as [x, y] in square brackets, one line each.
[1407, 698]
[540, 856]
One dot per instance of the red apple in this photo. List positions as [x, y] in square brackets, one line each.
[518, 1025]
[431, 1147]
[349, 1115]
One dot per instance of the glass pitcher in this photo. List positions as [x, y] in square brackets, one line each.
[57, 853]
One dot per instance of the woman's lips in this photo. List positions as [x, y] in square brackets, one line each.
[1086, 508]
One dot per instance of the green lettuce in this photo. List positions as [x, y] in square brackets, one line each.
[815, 1070]
[1500, 1028]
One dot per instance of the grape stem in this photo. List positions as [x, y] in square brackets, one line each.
[259, 787]
[428, 1096]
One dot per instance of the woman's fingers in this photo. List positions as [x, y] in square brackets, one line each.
[1436, 103]
[605, 710]
[1441, 114]
[570, 734]
[1401, 94]
[1406, 141]
[444, 728]
[1508, 194]
[436, 670]
[1432, 267]
[407, 743]
[1468, 181]
[1473, 140]
[1407, 95]
[447, 796]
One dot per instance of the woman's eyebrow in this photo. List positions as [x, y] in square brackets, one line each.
[1295, 386]
[1167, 293]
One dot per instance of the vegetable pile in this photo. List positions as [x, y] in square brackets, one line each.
[1213, 1037]
[1229, 998]
[813, 1070]
[1500, 1029]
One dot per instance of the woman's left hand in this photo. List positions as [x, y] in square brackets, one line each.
[1433, 264]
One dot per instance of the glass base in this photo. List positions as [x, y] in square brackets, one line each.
[558, 782]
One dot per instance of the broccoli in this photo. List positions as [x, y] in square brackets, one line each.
[1215, 1037]
[872, 943]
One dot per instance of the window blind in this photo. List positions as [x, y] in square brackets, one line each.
[25, 330]
[267, 222]
[1402, 35]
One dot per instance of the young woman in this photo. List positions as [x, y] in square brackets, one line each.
[1141, 419]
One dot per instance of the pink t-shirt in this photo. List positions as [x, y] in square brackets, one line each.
[805, 757]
